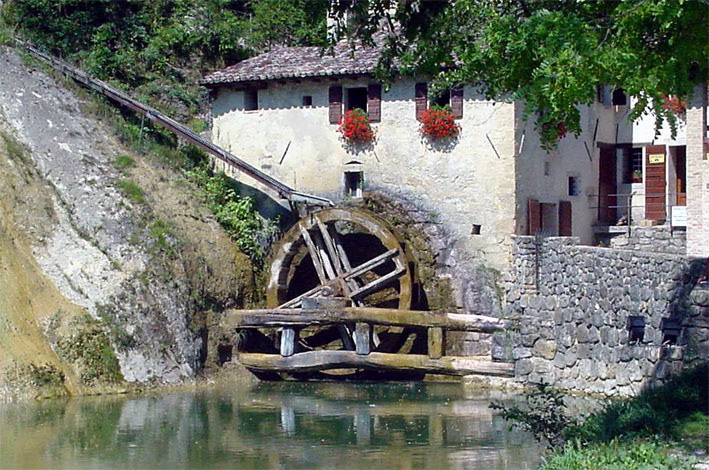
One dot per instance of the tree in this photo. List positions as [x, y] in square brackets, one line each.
[549, 53]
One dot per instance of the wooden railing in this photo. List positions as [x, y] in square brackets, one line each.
[364, 319]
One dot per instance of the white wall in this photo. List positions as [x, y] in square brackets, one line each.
[471, 182]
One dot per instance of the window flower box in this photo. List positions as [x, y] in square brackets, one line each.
[355, 127]
[438, 123]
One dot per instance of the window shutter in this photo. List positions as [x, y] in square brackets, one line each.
[457, 102]
[374, 102]
[534, 217]
[335, 99]
[421, 98]
[655, 182]
[565, 218]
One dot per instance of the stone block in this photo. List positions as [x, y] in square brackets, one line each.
[545, 349]
[523, 367]
[593, 336]
[582, 334]
[570, 357]
[584, 351]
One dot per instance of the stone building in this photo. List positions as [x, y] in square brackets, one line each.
[280, 112]
[482, 195]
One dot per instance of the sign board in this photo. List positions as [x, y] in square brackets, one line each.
[656, 158]
[679, 216]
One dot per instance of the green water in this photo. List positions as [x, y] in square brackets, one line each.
[267, 425]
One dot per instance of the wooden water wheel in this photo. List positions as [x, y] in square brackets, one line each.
[346, 253]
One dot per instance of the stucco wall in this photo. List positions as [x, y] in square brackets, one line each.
[468, 182]
[544, 175]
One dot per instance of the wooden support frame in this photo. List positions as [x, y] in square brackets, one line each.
[289, 336]
[363, 338]
[378, 316]
[313, 361]
[436, 343]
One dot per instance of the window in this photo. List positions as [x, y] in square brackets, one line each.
[307, 100]
[619, 98]
[354, 183]
[574, 186]
[633, 165]
[250, 100]
[356, 98]
[443, 98]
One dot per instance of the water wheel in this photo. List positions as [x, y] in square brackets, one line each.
[343, 252]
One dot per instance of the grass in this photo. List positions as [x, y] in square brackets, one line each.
[161, 232]
[650, 431]
[124, 162]
[660, 411]
[132, 191]
[615, 455]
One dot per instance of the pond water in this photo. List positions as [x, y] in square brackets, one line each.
[268, 425]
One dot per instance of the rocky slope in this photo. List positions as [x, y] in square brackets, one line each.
[104, 272]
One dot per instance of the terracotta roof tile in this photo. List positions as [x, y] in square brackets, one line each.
[297, 62]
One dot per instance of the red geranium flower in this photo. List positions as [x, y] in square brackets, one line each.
[438, 123]
[355, 127]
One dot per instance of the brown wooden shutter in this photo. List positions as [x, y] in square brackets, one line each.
[457, 102]
[335, 99]
[565, 218]
[534, 217]
[374, 102]
[655, 183]
[421, 98]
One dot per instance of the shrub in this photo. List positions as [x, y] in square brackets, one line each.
[437, 123]
[545, 416]
[355, 127]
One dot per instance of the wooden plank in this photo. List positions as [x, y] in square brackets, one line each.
[330, 245]
[288, 339]
[363, 333]
[378, 283]
[314, 255]
[346, 336]
[379, 316]
[371, 264]
[313, 361]
[436, 342]
[327, 262]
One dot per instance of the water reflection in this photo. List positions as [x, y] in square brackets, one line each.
[269, 425]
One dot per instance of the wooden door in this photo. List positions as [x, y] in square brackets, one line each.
[607, 187]
[655, 182]
[681, 176]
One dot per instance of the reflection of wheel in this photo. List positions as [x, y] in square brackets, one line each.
[349, 253]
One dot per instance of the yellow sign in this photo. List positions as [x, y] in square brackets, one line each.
[656, 158]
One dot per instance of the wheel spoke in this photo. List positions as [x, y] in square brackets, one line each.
[377, 284]
[314, 254]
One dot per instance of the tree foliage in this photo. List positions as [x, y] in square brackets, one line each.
[159, 49]
[549, 53]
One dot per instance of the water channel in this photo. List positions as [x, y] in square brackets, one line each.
[268, 425]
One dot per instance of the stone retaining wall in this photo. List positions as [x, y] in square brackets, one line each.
[573, 302]
[655, 239]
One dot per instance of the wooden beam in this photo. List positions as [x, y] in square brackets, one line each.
[379, 316]
[288, 338]
[436, 342]
[314, 255]
[363, 333]
[377, 284]
[313, 361]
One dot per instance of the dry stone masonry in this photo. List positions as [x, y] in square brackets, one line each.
[573, 304]
[661, 239]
